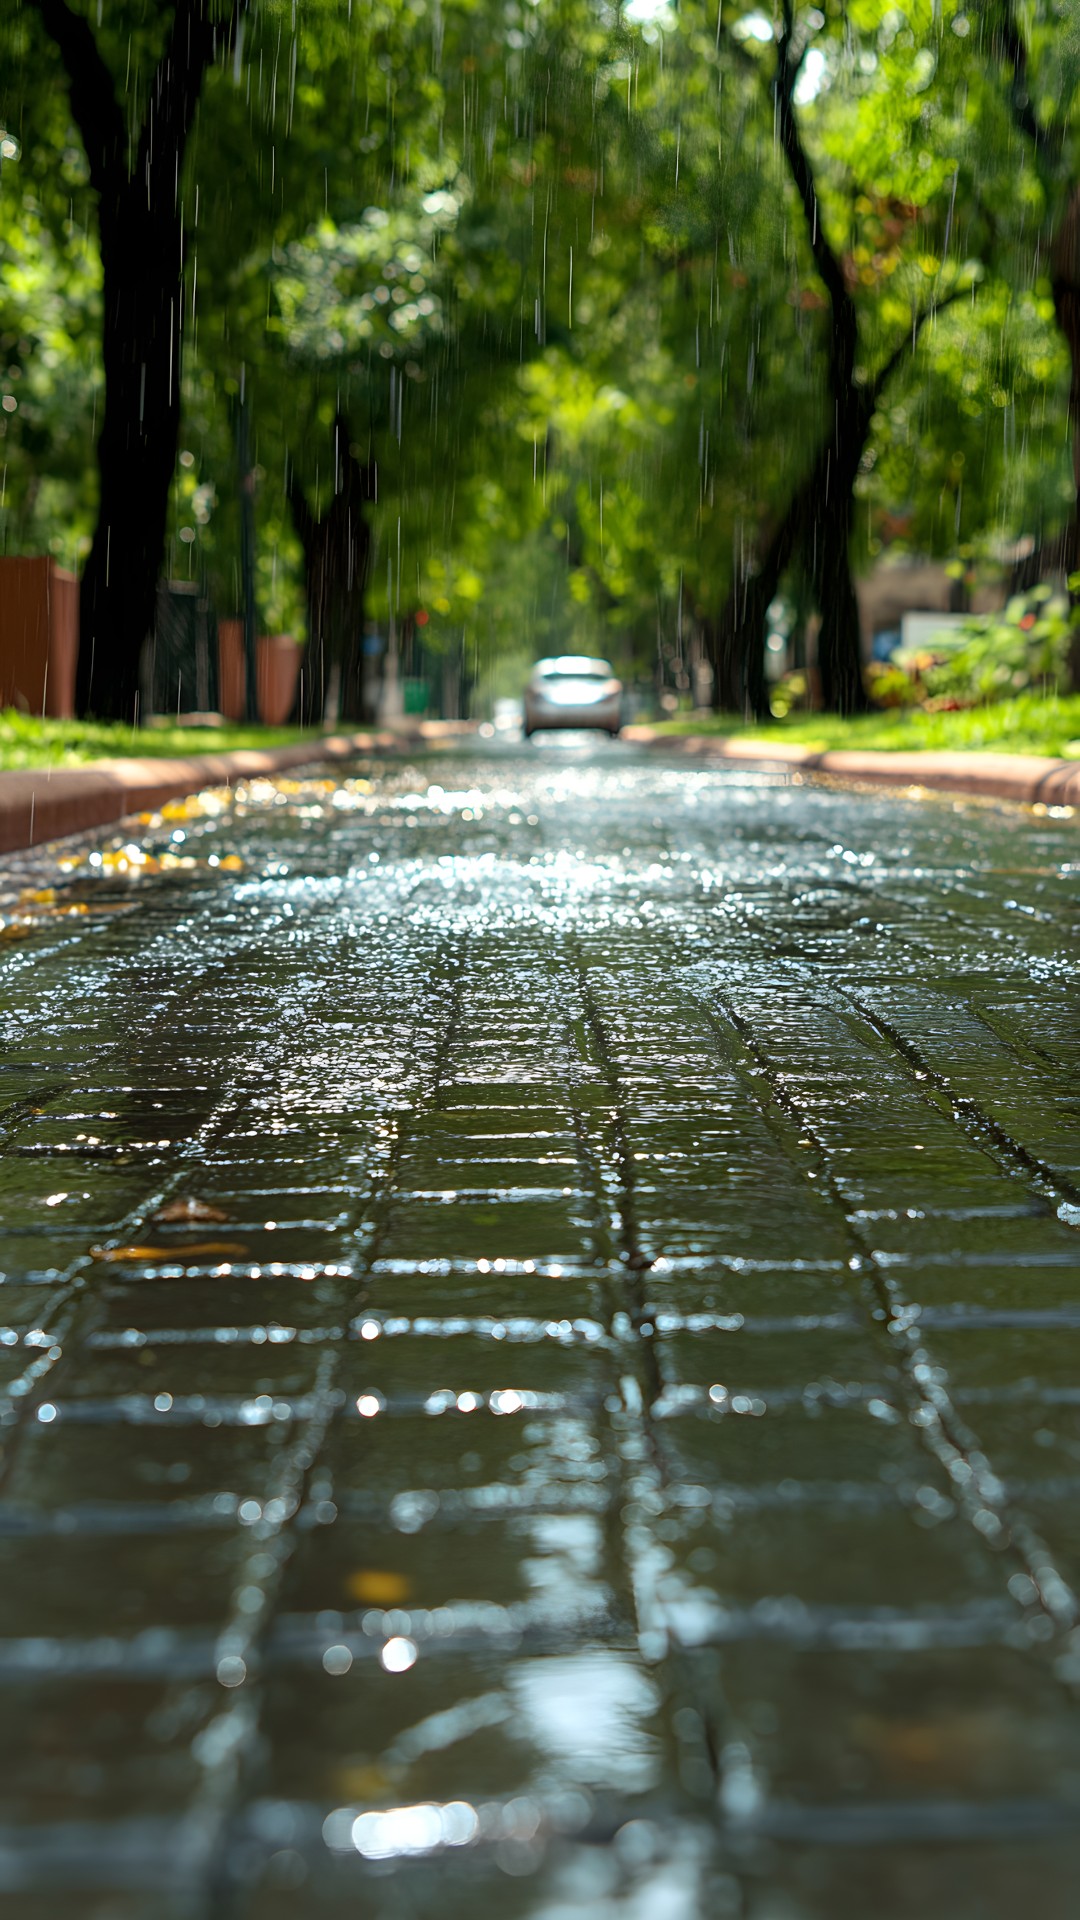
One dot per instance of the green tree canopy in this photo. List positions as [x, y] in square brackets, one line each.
[620, 319]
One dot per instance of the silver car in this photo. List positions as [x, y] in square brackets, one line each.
[573, 691]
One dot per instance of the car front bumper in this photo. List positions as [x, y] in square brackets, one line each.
[545, 715]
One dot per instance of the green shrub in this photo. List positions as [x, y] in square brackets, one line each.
[788, 695]
[1024, 648]
[890, 686]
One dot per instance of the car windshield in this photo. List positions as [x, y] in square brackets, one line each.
[569, 667]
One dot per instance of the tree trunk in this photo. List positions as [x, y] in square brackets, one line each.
[826, 550]
[350, 591]
[1065, 286]
[336, 547]
[352, 679]
[738, 636]
[739, 662]
[1048, 141]
[839, 638]
[816, 527]
[136, 453]
[142, 257]
[826, 530]
[309, 708]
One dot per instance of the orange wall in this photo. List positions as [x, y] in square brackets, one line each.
[39, 637]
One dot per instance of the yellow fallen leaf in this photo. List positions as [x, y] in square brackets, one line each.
[198, 1249]
[231, 863]
[378, 1586]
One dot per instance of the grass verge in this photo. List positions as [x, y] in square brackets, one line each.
[1029, 724]
[26, 743]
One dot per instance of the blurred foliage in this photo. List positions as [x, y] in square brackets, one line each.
[548, 260]
[50, 371]
[1031, 723]
[1023, 649]
[29, 742]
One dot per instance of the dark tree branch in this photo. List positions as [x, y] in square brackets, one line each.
[1009, 44]
[1013, 50]
[192, 47]
[92, 93]
[193, 44]
[844, 317]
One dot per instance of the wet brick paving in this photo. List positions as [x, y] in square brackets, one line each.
[539, 1353]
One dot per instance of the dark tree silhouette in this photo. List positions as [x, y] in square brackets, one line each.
[738, 636]
[1048, 142]
[815, 527]
[137, 183]
[336, 544]
[826, 538]
[1008, 45]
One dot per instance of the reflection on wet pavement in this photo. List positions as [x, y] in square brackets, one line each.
[538, 1301]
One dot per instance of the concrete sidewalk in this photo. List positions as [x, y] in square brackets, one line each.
[1029, 779]
[48, 803]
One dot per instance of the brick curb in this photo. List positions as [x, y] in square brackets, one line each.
[49, 803]
[1029, 779]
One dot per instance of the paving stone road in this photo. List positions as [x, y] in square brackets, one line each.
[538, 1353]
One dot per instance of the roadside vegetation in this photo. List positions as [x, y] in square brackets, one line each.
[1032, 723]
[70, 743]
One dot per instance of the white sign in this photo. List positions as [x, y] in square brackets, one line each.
[930, 631]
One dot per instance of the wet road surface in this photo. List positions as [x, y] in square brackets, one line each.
[539, 1323]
